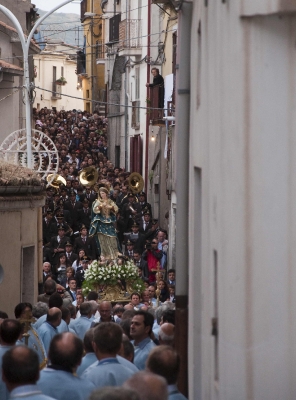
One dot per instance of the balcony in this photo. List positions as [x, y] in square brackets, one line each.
[130, 41]
[56, 91]
[155, 101]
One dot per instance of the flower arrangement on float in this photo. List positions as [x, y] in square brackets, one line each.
[122, 279]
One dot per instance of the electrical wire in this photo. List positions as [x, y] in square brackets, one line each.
[95, 17]
[102, 102]
[10, 94]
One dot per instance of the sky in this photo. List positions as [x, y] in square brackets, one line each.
[47, 5]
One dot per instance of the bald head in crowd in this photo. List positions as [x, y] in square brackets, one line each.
[148, 386]
[114, 393]
[164, 361]
[167, 334]
[54, 316]
[66, 350]
[20, 366]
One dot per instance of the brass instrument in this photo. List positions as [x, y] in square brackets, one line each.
[132, 209]
[88, 176]
[135, 182]
[55, 180]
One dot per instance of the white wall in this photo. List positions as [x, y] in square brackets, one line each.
[242, 139]
[44, 79]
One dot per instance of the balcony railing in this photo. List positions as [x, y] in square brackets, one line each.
[100, 49]
[56, 91]
[155, 101]
[130, 31]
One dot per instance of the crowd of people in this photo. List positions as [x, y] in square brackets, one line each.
[72, 346]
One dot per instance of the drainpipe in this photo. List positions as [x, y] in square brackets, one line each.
[147, 94]
[182, 188]
[126, 119]
[126, 101]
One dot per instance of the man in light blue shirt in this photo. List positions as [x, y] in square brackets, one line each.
[9, 334]
[109, 371]
[90, 357]
[141, 328]
[82, 324]
[49, 328]
[55, 300]
[20, 370]
[165, 361]
[58, 379]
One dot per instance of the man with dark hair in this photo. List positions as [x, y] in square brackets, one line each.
[82, 324]
[21, 308]
[92, 295]
[171, 277]
[164, 361]
[10, 330]
[108, 371]
[168, 316]
[20, 372]
[72, 287]
[3, 315]
[141, 328]
[58, 380]
[49, 288]
[49, 328]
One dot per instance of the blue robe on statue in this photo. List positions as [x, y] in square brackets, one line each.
[102, 228]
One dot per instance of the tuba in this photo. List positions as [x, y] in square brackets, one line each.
[88, 176]
[135, 182]
[55, 180]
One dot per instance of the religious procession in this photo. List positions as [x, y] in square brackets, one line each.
[103, 325]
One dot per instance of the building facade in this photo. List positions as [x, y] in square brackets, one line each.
[11, 63]
[57, 60]
[235, 187]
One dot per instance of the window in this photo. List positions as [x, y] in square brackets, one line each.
[114, 28]
[27, 271]
[62, 71]
[54, 79]
[136, 104]
[117, 156]
[135, 115]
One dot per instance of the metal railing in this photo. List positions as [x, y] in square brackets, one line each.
[56, 91]
[155, 101]
[130, 31]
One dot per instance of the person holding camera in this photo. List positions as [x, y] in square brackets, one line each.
[153, 256]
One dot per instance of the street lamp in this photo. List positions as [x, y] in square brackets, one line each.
[25, 42]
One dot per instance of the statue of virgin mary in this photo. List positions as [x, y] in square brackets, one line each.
[102, 226]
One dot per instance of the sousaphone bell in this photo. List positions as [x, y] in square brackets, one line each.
[135, 182]
[55, 180]
[88, 176]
